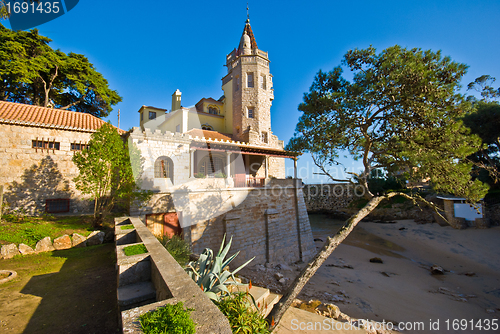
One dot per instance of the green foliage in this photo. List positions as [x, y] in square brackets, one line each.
[32, 72]
[30, 230]
[177, 247]
[220, 175]
[401, 112]
[485, 122]
[105, 171]
[483, 84]
[199, 175]
[135, 249]
[172, 319]
[127, 227]
[243, 319]
[209, 273]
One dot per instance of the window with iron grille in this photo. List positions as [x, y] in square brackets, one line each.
[57, 205]
[164, 168]
[211, 164]
[78, 146]
[45, 144]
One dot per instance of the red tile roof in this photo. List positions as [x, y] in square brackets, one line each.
[208, 134]
[28, 115]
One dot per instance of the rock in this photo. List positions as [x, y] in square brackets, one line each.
[269, 265]
[490, 310]
[79, 240]
[437, 270]
[110, 236]
[284, 267]
[44, 245]
[95, 238]
[283, 281]
[470, 274]
[25, 249]
[402, 228]
[63, 242]
[278, 276]
[317, 239]
[376, 260]
[9, 251]
[333, 311]
[260, 267]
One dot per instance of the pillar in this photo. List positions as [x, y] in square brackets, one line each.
[192, 162]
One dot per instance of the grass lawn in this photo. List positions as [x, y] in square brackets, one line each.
[68, 291]
[29, 230]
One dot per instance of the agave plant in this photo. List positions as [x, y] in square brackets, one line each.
[209, 273]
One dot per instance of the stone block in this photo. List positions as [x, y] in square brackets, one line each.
[63, 242]
[9, 251]
[95, 238]
[25, 249]
[44, 245]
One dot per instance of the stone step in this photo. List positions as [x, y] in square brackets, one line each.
[135, 293]
[269, 302]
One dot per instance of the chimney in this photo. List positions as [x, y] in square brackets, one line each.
[176, 100]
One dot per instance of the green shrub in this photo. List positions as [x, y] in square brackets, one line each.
[220, 175]
[177, 247]
[127, 227]
[199, 175]
[172, 319]
[135, 249]
[242, 317]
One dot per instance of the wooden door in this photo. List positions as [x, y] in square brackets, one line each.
[171, 224]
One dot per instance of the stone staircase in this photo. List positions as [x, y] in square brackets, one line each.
[264, 298]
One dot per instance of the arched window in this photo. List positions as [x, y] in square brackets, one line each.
[212, 165]
[206, 127]
[214, 110]
[164, 168]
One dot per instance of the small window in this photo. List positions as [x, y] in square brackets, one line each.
[164, 168]
[45, 144]
[213, 110]
[152, 115]
[78, 147]
[264, 137]
[262, 81]
[57, 205]
[250, 80]
[250, 112]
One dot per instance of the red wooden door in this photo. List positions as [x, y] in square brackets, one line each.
[171, 224]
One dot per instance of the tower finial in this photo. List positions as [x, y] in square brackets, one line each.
[248, 15]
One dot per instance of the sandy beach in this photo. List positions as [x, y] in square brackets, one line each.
[402, 289]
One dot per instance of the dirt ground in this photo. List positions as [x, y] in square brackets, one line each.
[70, 291]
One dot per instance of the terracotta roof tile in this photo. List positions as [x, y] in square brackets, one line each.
[208, 134]
[24, 114]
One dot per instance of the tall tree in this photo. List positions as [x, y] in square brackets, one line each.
[32, 72]
[401, 111]
[108, 171]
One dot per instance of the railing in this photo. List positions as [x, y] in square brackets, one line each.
[249, 182]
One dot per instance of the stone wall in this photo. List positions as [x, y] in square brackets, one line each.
[329, 197]
[270, 223]
[30, 176]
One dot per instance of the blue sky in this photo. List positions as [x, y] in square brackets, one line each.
[146, 50]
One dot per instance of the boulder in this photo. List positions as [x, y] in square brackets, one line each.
[278, 276]
[44, 245]
[283, 266]
[63, 242]
[95, 238]
[79, 240]
[25, 249]
[376, 260]
[437, 270]
[9, 251]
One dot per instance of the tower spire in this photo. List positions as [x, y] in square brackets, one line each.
[248, 15]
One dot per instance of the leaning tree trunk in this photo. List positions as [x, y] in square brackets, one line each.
[332, 242]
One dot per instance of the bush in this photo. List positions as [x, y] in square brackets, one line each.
[177, 247]
[199, 175]
[135, 249]
[168, 319]
[220, 175]
[242, 318]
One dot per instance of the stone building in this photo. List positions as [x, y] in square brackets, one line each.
[36, 154]
[217, 168]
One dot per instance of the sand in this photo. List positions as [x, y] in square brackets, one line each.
[402, 289]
